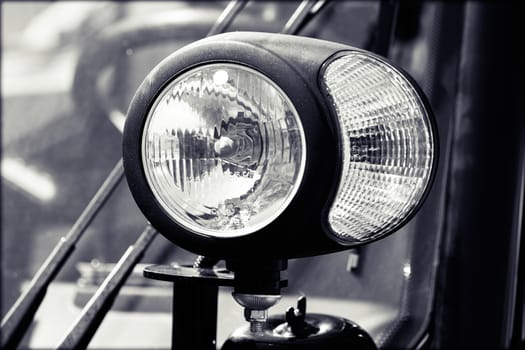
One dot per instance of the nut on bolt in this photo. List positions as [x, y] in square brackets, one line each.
[256, 308]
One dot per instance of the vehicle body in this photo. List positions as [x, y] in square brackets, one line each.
[453, 277]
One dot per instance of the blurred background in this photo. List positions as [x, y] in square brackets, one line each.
[68, 72]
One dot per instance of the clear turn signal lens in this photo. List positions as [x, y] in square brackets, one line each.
[387, 146]
[223, 150]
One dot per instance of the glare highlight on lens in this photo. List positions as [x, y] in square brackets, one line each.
[223, 150]
[387, 146]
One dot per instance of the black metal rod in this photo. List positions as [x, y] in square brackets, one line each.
[227, 16]
[306, 10]
[84, 328]
[19, 317]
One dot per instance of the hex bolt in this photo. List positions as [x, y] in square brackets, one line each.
[256, 308]
[257, 319]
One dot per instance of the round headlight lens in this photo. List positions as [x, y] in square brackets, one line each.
[223, 150]
[387, 146]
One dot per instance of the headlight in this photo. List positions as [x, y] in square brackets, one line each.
[387, 145]
[245, 142]
[223, 150]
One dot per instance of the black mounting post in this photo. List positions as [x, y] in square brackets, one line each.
[195, 292]
[258, 276]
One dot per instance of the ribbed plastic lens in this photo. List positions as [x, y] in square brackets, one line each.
[223, 150]
[387, 146]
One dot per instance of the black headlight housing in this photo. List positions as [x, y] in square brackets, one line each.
[296, 65]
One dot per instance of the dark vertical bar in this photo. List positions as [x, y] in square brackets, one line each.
[481, 196]
[194, 315]
[385, 27]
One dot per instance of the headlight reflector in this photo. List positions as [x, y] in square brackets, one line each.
[223, 150]
[387, 146]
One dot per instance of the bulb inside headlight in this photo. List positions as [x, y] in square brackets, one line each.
[223, 150]
[387, 146]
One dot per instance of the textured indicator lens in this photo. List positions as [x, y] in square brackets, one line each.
[387, 146]
[223, 150]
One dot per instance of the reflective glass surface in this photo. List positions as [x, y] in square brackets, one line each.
[223, 150]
